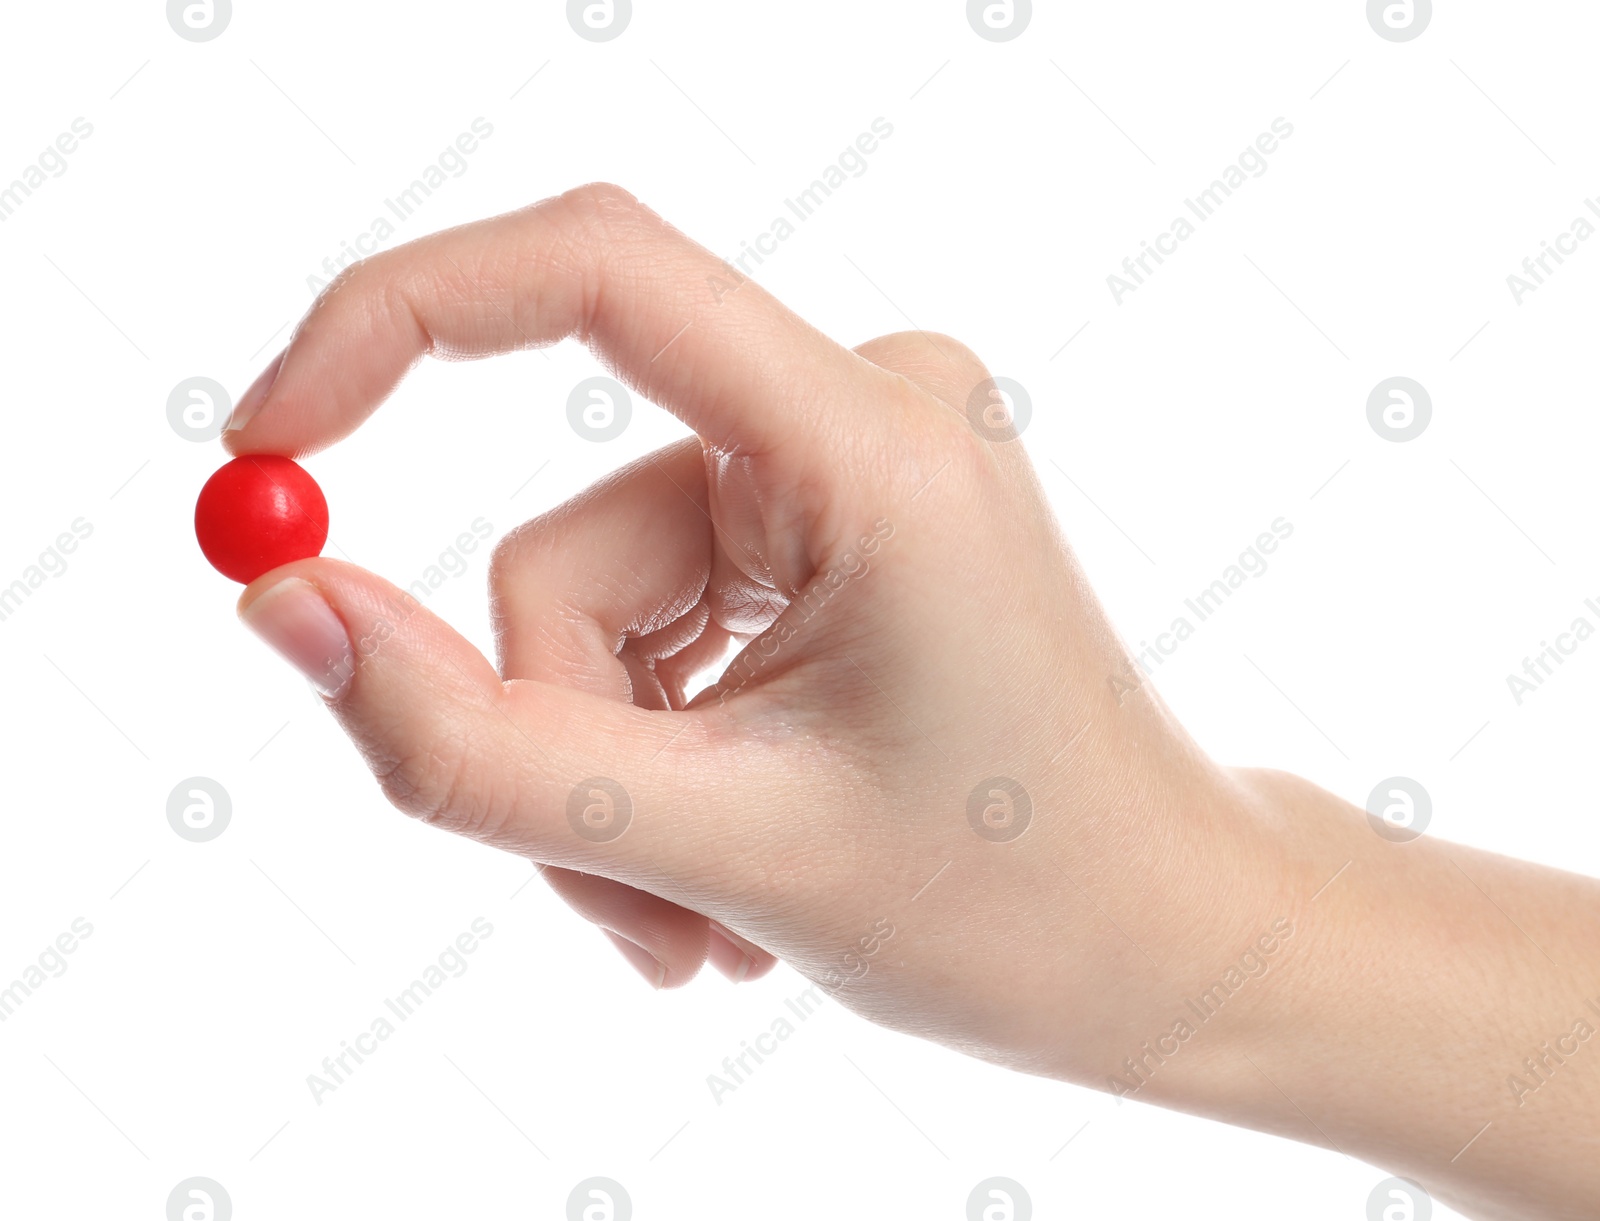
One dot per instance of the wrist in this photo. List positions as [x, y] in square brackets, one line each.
[1371, 1030]
[1246, 956]
[1179, 925]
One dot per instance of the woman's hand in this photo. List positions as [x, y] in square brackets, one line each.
[932, 780]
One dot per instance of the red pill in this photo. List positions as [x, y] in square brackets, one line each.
[257, 513]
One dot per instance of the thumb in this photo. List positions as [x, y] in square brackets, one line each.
[559, 775]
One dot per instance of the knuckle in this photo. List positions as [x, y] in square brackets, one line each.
[928, 358]
[503, 559]
[937, 416]
[601, 227]
[957, 358]
[434, 786]
[510, 565]
[410, 782]
[346, 276]
[605, 203]
[934, 381]
[525, 552]
[335, 293]
[946, 436]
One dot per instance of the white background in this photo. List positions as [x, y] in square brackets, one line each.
[1228, 391]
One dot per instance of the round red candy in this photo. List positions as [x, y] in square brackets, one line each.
[257, 513]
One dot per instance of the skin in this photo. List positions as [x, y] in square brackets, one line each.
[814, 804]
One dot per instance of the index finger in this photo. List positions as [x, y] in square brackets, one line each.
[675, 322]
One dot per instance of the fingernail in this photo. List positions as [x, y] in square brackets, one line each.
[256, 395]
[730, 957]
[644, 962]
[295, 619]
